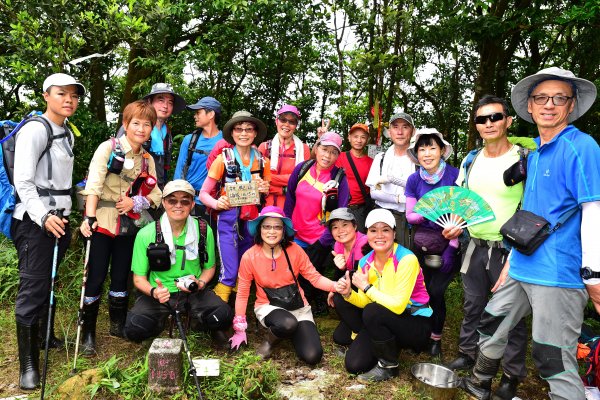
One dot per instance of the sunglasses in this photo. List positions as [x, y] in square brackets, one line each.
[557, 100]
[482, 119]
[290, 121]
[173, 201]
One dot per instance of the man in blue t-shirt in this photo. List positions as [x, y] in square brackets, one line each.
[196, 146]
[553, 283]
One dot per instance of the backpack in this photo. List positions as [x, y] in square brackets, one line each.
[190, 152]
[8, 195]
[330, 198]
[472, 155]
[588, 349]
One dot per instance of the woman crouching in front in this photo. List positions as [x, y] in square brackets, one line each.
[274, 264]
[390, 310]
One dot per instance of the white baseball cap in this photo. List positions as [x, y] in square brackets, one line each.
[380, 215]
[60, 79]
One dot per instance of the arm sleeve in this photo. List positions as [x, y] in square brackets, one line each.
[182, 158]
[411, 216]
[29, 146]
[308, 271]
[245, 279]
[207, 188]
[590, 251]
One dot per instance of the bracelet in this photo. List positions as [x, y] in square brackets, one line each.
[90, 220]
[152, 292]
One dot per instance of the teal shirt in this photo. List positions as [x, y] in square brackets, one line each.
[140, 265]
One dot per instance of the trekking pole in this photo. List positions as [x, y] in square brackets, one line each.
[80, 312]
[50, 310]
[192, 370]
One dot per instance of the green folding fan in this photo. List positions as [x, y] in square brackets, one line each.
[450, 206]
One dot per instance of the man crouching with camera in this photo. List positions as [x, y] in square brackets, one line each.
[173, 260]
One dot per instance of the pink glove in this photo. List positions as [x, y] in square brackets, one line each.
[239, 327]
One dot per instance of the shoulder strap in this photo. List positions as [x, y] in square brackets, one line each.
[381, 164]
[202, 231]
[338, 175]
[304, 168]
[159, 234]
[361, 184]
[261, 163]
[469, 160]
[563, 218]
[190, 151]
[287, 258]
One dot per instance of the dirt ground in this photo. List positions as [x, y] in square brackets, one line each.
[400, 388]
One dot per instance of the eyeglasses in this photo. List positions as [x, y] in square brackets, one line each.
[172, 201]
[277, 228]
[482, 119]
[290, 121]
[239, 129]
[558, 100]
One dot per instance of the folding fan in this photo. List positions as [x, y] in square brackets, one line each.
[450, 206]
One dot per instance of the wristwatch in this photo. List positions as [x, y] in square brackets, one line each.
[366, 289]
[587, 273]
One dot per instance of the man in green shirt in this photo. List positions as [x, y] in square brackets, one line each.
[486, 254]
[182, 276]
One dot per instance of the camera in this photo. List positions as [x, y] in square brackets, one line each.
[188, 283]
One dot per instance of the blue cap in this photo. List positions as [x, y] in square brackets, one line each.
[207, 103]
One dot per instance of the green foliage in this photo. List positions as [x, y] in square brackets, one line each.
[247, 377]
[9, 274]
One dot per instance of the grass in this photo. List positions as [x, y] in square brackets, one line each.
[243, 376]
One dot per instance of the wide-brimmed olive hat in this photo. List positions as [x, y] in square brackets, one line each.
[245, 116]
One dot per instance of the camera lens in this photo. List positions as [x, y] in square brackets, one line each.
[192, 286]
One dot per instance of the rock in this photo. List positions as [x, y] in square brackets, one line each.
[74, 388]
[310, 387]
[165, 366]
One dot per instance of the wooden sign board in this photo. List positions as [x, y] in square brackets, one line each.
[373, 150]
[242, 193]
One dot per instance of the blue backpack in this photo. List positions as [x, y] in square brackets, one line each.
[8, 195]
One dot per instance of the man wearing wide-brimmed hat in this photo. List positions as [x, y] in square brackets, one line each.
[166, 102]
[563, 184]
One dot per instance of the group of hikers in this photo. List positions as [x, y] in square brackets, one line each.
[320, 207]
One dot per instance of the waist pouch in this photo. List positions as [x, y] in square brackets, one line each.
[126, 226]
[287, 297]
[159, 257]
[430, 241]
[526, 231]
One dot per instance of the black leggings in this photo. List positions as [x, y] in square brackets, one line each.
[105, 250]
[436, 283]
[375, 322]
[304, 335]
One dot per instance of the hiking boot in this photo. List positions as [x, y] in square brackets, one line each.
[117, 311]
[219, 339]
[266, 347]
[54, 342]
[89, 317]
[387, 353]
[435, 348]
[29, 356]
[461, 363]
[479, 382]
[507, 389]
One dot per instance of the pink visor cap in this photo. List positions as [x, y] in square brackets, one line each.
[331, 139]
[288, 108]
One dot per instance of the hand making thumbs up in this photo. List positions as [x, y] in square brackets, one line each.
[161, 293]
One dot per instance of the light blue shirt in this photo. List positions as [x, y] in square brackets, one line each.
[197, 172]
[561, 174]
